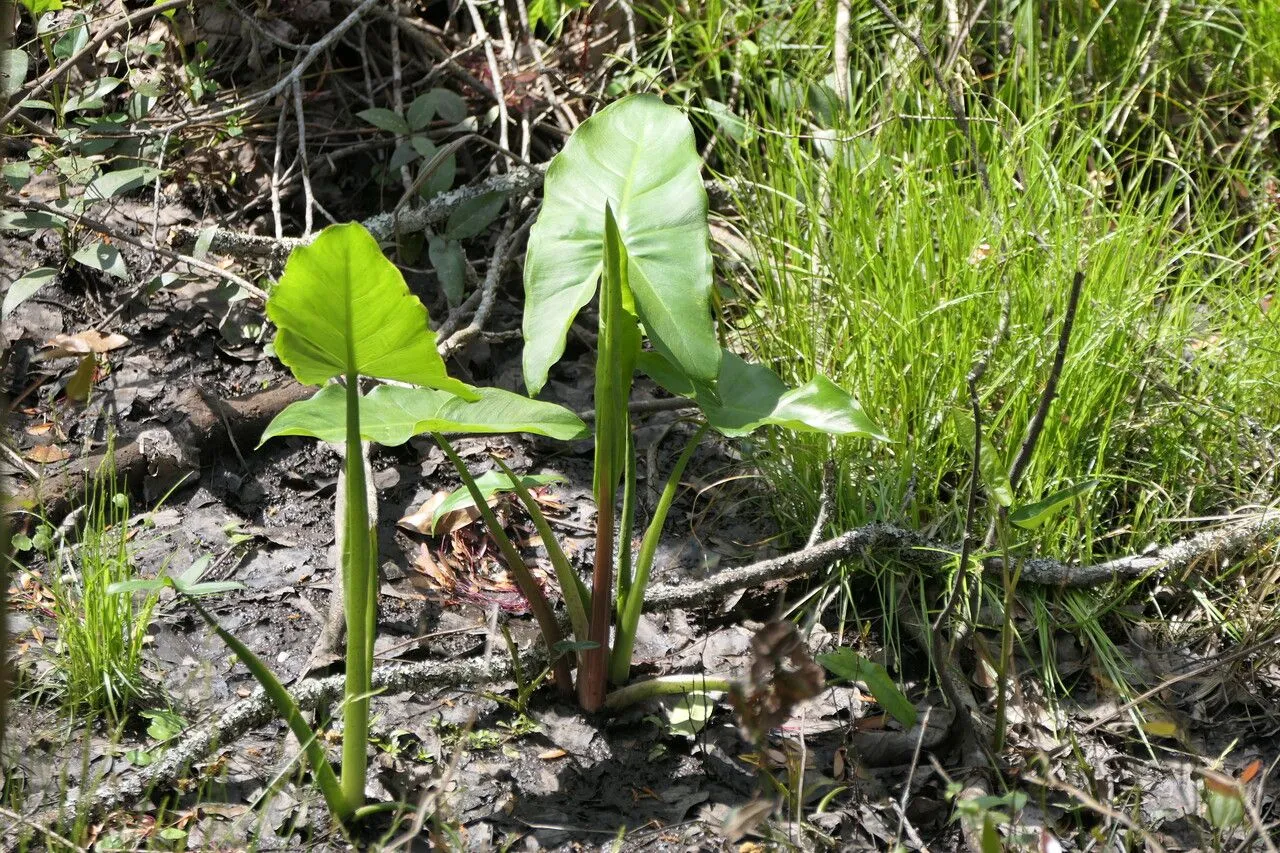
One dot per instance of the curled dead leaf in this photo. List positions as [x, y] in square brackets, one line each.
[83, 343]
[46, 454]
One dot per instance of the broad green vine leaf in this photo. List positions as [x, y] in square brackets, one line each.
[25, 287]
[342, 308]
[638, 156]
[1033, 515]
[385, 119]
[13, 72]
[751, 396]
[474, 215]
[991, 467]
[103, 257]
[847, 664]
[449, 262]
[112, 184]
[392, 415]
[489, 483]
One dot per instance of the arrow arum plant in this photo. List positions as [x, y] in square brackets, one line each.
[624, 219]
[344, 315]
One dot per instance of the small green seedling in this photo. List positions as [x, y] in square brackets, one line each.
[624, 218]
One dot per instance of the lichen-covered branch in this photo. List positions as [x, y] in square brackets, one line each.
[383, 226]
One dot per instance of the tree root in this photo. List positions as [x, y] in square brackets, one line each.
[204, 426]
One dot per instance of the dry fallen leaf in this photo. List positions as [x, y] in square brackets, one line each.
[424, 516]
[47, 453]
[83, 343]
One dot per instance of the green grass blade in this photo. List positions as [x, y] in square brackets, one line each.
[313, 748]
[620, 662]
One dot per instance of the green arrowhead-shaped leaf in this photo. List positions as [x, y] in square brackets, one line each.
[638, 156]
[1033, 515]
[847, 664]
[343, 308]
[392, 415]
[749, 396]
[489, 483]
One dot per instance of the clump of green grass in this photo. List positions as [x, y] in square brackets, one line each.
[1113, 146]
[100, 634]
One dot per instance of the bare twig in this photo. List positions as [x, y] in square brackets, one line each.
[397, 100]
[976, 373]
[507, 239]
[383, 226]
[1245, 535]
[826, 500]
[276, 178]
[1036, 426]
[499, 95]
[303, 165]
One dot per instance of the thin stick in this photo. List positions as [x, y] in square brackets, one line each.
[303, 165]
[976, 373]
[496, 73]
[382, 226]
[1051, 387]
[276, 179]
[1036, 426]
[911, 772]
[826, 499]
[492, 278]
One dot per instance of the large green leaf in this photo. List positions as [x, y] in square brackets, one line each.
[751, 396]
[638, 156]
[392, 415]
[343, 308]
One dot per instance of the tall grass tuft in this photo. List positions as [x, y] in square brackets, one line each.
[101, 635]
[1129, 147]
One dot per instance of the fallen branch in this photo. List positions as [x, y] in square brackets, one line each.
[386, 226]
[205, 425]
[383, 226]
